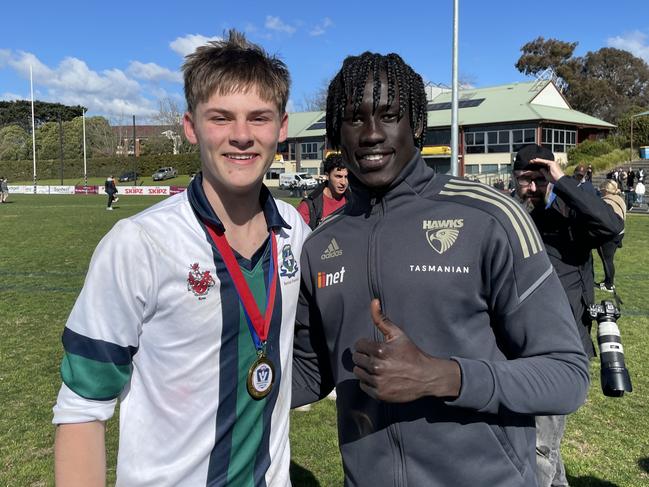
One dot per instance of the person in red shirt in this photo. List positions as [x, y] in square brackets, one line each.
[329, 196]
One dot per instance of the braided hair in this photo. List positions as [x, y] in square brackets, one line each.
[348, 86]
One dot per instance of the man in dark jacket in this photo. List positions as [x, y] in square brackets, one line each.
[427, 319]
[111, 191]
[328, 197]
[572, 222]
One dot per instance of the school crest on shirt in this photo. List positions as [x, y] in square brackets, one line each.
[199, 282]
[288, 267]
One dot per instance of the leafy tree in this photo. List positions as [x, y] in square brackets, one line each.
[541, 54]
[19, 112]
[157, 145]
[605, 83]
[15, 143]
[640, 127]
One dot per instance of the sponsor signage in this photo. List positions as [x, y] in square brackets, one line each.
[176, 189]
[61, 189]
[86, 190]
[144, 190]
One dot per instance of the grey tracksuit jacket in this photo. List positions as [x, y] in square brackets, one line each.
[461, 269]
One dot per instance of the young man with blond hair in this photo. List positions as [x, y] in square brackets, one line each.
[186, 316]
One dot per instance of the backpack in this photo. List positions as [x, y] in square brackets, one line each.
[314, 203]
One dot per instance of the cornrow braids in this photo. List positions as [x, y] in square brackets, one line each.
[348, 87]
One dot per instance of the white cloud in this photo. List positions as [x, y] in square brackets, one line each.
[278, 25]
[321, 28]
[635, 42]
[153, 72]
[188, 44]
[10, 96]
[72, 82]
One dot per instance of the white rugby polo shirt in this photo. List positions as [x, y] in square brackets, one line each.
[159, 326]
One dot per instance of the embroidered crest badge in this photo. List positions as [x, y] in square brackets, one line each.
[442, 240]
[199, 282]
[289, 265]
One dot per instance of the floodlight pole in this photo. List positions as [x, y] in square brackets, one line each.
[454, 94]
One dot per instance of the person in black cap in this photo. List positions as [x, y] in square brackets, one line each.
[572, 223]
[581, 175]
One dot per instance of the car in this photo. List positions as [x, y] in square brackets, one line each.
[164, 173]
[127, 176]
[297, 180]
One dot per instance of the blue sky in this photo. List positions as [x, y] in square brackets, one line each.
[120, 58]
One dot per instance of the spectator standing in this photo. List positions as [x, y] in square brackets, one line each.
[4, 190]
[589, 173]
[640, 192]
[572, 222]
[111, 191]
[580, 175]
[330, 196]
[611, 196]
[630, 179]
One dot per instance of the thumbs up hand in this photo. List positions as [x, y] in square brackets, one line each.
[396, 370]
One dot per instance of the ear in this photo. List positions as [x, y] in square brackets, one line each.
[188, 126]
[283, 128]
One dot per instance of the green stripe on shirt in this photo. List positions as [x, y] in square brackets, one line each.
[99, 381]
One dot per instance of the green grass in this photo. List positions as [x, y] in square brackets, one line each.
[46, 246]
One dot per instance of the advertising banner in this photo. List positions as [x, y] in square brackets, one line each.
[86, 190]
[176, 189]
[42, 190]
[144, 190]
[61, 189]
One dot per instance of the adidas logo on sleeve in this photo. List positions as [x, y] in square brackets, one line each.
[332, 250]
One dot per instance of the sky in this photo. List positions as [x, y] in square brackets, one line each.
[121, 58]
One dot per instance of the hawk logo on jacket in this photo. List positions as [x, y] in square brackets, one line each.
[442, 234]
[199, 282]
[289, 265]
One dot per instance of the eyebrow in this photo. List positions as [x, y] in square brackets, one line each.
[254, 113]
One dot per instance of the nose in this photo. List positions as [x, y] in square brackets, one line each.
[372, 133]
[241, 135]
[533, 186]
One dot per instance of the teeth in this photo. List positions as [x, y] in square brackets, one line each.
[240, 157]
[373, 157]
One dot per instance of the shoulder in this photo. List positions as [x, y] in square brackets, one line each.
[501, 207]
[293, 218]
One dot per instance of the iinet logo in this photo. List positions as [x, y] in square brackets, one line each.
[325, 279]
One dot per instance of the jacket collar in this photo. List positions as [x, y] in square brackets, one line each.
[204, 212]
[414, 177]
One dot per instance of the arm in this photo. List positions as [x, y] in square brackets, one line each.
[312, 377]
[598, 220]
[80, 455]
[544, 369]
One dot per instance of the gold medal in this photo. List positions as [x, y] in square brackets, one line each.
[261, 376]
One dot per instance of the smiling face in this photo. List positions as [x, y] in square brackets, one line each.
[376, 145]
[237, 135]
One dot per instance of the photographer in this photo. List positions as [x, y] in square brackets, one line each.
[572, 222]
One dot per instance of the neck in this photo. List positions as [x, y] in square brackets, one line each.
[242, 217]
[332, 194]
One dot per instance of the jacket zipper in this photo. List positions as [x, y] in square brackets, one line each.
[375, 292]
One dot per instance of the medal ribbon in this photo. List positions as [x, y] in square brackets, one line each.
[259, 325]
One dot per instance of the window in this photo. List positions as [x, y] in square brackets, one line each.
[559, 140]
[310, 150]
[274, 173]
[489, 168]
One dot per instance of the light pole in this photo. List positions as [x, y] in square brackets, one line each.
[454, 94]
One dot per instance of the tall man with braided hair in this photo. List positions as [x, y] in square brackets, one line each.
[427, 319]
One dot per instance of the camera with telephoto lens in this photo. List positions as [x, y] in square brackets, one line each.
[614, 376]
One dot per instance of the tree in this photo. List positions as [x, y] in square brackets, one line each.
[157, 145]
[15, 143]
[316, 101]
[605, 83]
[19, 112]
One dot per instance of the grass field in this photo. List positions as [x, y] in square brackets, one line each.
[46, 245]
